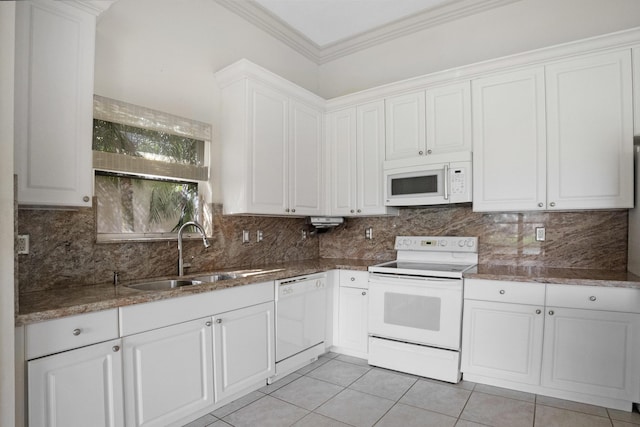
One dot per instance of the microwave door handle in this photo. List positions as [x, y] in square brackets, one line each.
[446, 182]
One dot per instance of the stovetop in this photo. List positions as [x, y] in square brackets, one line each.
[427, 256]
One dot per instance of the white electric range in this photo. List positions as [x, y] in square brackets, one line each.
[415, 306]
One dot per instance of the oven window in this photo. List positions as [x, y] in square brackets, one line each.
[413, 311]
[414, 185]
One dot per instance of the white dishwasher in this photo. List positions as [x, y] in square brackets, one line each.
[301, 304]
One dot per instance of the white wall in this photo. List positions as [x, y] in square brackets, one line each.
[7, 372]
[162, 54]
[517, 27]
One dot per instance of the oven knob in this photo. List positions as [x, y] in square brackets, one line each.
[470, 243]
[461, 243]
[443, 243]
[406, 242]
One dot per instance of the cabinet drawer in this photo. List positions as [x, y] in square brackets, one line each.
[625, 300]
[504, 291]
[70, 332]
[354, 279]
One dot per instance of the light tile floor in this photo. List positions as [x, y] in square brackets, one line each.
[339, 391]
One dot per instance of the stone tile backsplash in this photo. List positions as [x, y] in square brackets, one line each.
[587, 239]
[63, 252]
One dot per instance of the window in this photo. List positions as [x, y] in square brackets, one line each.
[150, 172]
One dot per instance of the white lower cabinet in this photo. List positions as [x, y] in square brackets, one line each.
[353, 309]
[503, 340]
[168, 373]
[77, 388]
[592, 352]
[244, 351]
[582, 344]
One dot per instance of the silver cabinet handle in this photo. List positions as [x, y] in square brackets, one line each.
[359, 210]
[86, 199]
[592, 298]
[364, 293]
[429, 151]
[208, 323]
[501, 291]
[77, 331]
[538, 311]
[286, 210]
[293, 210]
[353, 279]
[552, 204]
[352, 211]
[540, 205]
[115, 348]
[551, 313]
[218, 321]
[421, 152]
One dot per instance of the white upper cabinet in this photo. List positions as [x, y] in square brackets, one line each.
[449, 118]
[271, 144]
[405, 120]
[636, 90]
[434, 121]
[55, 45]
[590, 132]
[305, 154]
[578, 154]
[342, 136]
[356, 151]
[509, 149]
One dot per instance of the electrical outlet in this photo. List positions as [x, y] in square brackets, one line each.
[23, 244]
[259, 236]
[541, 234]
[368, 233]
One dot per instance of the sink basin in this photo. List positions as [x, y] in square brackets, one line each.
[216, 277]
[160, 285]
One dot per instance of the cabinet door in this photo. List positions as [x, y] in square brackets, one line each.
[244, 351]
[590, 132]
[636, 90]
[448, 112]
[305, 165]
[370, 155]
[77, 388]
[168, 373]
[353, 320]
[342, 146]
[502, 340]
[55, 46]
[592, 352]
[509, 142]
[405, 126]
[268, 133]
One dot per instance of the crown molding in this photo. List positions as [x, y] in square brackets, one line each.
[268, 22]
[95, 7]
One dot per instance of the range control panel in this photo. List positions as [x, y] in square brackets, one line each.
[437, 243]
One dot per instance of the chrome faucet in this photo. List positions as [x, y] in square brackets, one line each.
[204, 241]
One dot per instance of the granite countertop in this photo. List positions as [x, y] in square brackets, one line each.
[69, 301]
[566, 276]
[52, 304]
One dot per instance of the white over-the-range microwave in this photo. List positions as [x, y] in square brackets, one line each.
[435, 180]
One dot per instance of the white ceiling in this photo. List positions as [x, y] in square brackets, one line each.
[328, 21]
[324, 30]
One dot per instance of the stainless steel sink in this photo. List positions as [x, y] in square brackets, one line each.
[216, 277]
[159, 285]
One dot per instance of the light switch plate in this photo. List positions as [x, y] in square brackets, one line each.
[541, 234]
[245, 236]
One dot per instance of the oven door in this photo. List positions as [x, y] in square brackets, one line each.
[418, 310]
